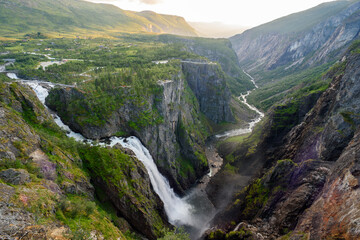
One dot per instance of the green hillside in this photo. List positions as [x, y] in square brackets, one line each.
[77, 17]
[168, 23]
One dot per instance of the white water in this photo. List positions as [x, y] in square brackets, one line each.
[44, 65]
[178, 210]
[3, 67]
[12, 75]
[240, 131]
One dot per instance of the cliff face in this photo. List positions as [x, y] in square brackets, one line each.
[329, 127]
[46, 179]
[324, 38]
[219, 51]
[209, 87]
[336, 212]
[310, 184]
[338, 142]
[176, 141]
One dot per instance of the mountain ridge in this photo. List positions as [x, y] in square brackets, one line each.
[267, 45]
[79, 17]
[308, 44]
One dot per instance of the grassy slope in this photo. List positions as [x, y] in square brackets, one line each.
[283, 84]
[79, 17]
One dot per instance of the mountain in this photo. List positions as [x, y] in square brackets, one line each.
[217, 29]
[305, 38]
[77, 17]
[293, 51]
[304, 160]
[162, 23]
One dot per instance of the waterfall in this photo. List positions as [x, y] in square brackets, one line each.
[177, 209]
[12, 75]
[194, 211]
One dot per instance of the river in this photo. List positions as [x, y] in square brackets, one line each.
[243, 99]
[193, 211]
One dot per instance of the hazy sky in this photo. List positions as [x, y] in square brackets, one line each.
[238, 12]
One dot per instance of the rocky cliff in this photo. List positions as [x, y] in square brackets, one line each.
[300, 40]
[176, 140]
[308, 187]
[206, 80]
[49, 183]
[219, 51]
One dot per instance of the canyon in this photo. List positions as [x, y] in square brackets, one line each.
[170, 137]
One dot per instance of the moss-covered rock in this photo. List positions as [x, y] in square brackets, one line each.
[15, 176]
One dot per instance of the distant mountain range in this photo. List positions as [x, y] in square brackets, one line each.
[77, 17]
[217, 29]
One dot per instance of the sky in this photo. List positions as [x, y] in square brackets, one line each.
[247, 13]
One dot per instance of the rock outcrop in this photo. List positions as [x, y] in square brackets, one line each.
[15, 176]
[219, 51]
[207, 82]
[336, 211]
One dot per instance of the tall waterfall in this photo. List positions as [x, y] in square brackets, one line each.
[177, 209]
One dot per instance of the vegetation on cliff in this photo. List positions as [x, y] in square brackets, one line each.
[135, 85]
[59, 193]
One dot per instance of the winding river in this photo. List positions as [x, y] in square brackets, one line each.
[243, 99]
[194, 211]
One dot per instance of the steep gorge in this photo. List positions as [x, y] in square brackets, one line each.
[295, 176]
[306, 158]
[176, 141]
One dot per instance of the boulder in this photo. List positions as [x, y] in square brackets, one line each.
[15, 176]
